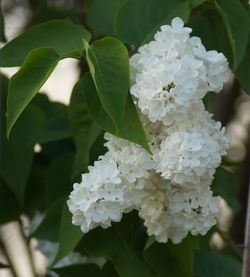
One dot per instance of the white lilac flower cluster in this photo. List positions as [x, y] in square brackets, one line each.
[170, 189]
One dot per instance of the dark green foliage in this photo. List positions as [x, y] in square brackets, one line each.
[243, 71]
[50, 226]
[56, 123]
[9, 204]
[69, 235]
[137, 20]
[57, 178]
[226, 184]
[17, 152]
[120, 245]
[212, 264]
[237, 25]
[176, 260]
[102, 22]
[207, 20]
[84, 130]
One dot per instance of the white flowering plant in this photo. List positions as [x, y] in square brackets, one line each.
[134, 171]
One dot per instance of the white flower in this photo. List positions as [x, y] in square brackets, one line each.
[108, 190]
[174, 71]
[98, 199]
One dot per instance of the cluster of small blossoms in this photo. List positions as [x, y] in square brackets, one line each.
[169, 188]
[174, 71]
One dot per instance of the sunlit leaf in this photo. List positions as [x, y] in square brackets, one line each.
[25, 84]
[62, 36]
[109, 66]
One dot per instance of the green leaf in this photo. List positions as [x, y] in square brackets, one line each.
[98, 148]
[195, 3]
[50, 226]
[56, 126]
[99, 21]
[137, 20]
[17, 152]
[80, 270]
[57, 178]
[212, 264]
[84, 130]
[243, 71]
[17, 155]
[56, 122]
[172, 259]
[119, 245]
[131, 130]
[62, 36]
[237, 24]
[69, 235]
[56, 226]
[94, 105]
[226, 185]
[207, 20]
[35, 199]
[25, 84]
[109, 66]
[9, 205]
